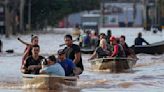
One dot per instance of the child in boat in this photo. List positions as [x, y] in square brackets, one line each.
[52, 67]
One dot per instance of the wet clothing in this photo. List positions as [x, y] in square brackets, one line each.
[68, 66]
[118, 51]
[55, 69]
[31, 61]
[102, 53]
[70, 53]
[139, 41]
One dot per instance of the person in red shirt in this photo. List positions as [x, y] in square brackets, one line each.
[118, 50]
[117, 54]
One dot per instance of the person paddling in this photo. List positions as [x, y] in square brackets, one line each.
[139, 40]
[28, 49]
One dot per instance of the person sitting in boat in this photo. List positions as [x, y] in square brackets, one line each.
[28, 49]
[67, 64]
[109, 34]
[32, 64]
[102, 51]
[118, 50]
[124, 45]
[87, 39]
[72, 51]
[139, 40]
[51, 66]
[94, 38]
[117, 54]
[101, 36]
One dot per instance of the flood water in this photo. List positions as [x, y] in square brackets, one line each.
[146, 76]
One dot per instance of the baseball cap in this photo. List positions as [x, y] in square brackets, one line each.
[112, 38]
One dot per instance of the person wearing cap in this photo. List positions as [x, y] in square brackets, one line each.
[139, 40]
[72, 51]
[118, 50]
[102, 51]
[53, 67]
[66, 63]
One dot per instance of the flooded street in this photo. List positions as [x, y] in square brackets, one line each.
[146, 76]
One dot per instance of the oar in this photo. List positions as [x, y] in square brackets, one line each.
[23, 41]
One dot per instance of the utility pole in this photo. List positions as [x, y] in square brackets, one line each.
[7, 19]
[102, 13]
[21, 16]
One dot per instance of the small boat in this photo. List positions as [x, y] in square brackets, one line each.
[155, 48]
[48, 81]
[87, 50]
[113, 64]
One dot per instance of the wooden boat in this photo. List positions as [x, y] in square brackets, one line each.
[87, 50]
[155, 48]
[48, 81]
[113, 64]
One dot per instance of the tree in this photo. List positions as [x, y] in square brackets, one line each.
[51, 11]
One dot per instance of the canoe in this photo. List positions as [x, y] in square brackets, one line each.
[113, 64]
[155, 48]
[51, 82]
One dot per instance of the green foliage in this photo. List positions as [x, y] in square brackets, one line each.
[51, 11]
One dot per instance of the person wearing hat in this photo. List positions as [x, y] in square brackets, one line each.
[66, 63]
[52, 67]
[118, 50]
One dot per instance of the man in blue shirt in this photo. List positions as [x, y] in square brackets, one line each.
[66, 63]
[53, 67]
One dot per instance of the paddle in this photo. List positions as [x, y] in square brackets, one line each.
[24, 41]
[72, 41]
